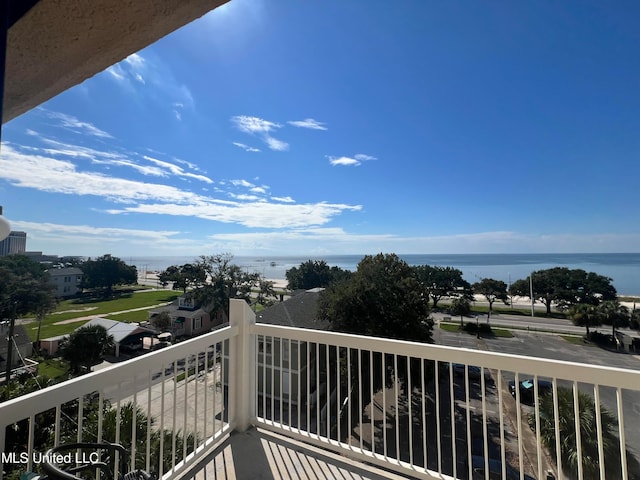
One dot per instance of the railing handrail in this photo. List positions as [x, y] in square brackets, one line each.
[32, 403]
[593, 374]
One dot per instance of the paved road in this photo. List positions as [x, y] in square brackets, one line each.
[554, 347]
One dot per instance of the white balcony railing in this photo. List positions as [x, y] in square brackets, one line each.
[423, 410]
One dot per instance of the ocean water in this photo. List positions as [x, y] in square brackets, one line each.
[622, 268]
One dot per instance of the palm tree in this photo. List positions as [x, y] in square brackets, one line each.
[584, 315]
[588, 436]
[612, 312]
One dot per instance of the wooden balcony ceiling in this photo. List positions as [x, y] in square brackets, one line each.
[56, 44]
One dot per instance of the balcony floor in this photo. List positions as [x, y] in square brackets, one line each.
[260, 454]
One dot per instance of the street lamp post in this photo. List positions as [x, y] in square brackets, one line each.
[477, 327]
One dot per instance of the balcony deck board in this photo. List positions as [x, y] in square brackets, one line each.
[259, 454]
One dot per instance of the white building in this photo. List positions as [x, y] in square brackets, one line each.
[66, 280]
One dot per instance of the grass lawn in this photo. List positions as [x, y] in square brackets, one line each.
[77, 308]
[576, 340]
[53, 368]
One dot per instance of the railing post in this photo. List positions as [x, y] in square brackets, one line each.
[242, 366]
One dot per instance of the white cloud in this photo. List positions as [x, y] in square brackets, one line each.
[252, 214]
[262, 189]
[249, 124]
[308, 123]
[354, 161]
[72, 123]
[242, 183]
[283, 199]
[46, 174]
[275, 144]
[151, 80]
[135, 60]
[246, 147]
[344, 161]
[261, 128]
[176, 170]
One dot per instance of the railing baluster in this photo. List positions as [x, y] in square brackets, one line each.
[216, 370]
[308, 393]
[317, 352]
[80, 418]
[185, 433]
[327, 417]
[280, 347]
[621, 433]
[56, 427]
[162, 392]
[205, 407]
[298, 381]
[556, 418]
[148, 449]
[576, 416]
[360, 407]
[452, 402]
[397, 415]
[264, 376]
[350, 427]
[272, 390]
[223, 388]
[373, 409]
[485, 436]
[438, 429]
[468, 416]
[519, 421]
[30, 442]
[409, 397]
[195, 402]
[134, 419]
[423, 394]
[537, 418]
[601, 460]
[174, 395]
[383, 368]
[290, 377]
[501, 415]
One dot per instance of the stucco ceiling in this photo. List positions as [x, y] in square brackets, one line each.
[57, 44]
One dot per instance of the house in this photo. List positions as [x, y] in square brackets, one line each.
[297, 311]
[125, 335]
[66, 280]
[22, 346]
[187, 318]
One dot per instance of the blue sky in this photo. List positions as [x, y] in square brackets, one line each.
[291, 128]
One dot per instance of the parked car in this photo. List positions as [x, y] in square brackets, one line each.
[475, 372]
[495, 470]
[527, 389]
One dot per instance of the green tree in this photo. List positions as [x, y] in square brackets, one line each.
[266, 293]
[492, 290]
[588, 436]
[566, 287]
[24, 290]
[461, 306]
[225, 280]
[584, 315]
[439, 282]
[382, 298]
[86, 346]
[314, 274]
[614, 314]
[162, 322]
[107, 271]
[184, 276]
